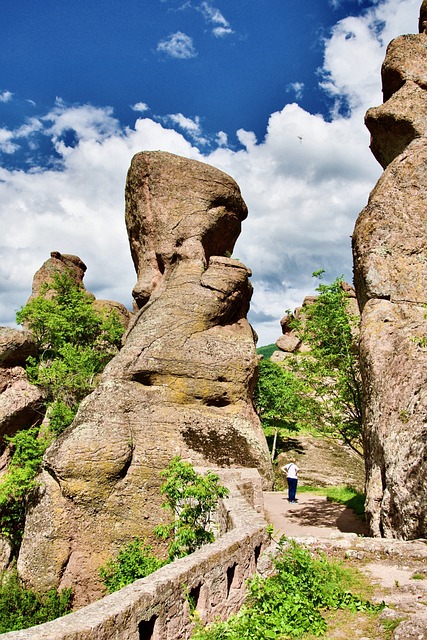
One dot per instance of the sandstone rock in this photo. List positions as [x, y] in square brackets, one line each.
[390, 267]
[181, 385]
[15, 347]
[21, 403]
[58, 263]
[289, 342]
[108, 306]
[167, 222]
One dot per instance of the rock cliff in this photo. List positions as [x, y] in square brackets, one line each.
[390, 271]
[181, 385]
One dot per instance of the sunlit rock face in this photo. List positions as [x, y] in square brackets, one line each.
[390, 270]
[181, 385]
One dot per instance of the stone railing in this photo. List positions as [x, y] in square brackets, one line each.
[159, 607]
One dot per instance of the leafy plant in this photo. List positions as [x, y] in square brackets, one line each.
[332, 372]
[134, 561]
[74, 341]
[281, 400]
[191, 498]
[21, 608]
[28, 447]
[290, 602]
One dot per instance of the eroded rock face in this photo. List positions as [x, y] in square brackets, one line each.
[181, 385]
[21, 403]
[390, 268]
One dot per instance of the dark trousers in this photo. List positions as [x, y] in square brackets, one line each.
[292, 488]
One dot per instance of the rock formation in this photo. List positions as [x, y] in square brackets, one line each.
[21, 403]
[73, 266]
[181, 385]
[390, 271]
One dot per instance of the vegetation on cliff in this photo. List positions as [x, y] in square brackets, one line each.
[192, 499]
[321, 389]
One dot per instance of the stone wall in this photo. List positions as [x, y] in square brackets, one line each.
[157, 607]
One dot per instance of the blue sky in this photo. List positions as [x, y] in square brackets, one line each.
[271, 91]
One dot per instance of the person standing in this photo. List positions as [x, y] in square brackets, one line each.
[291, 471]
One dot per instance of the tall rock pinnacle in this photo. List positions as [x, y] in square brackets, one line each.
[390, 271]
[181, 385]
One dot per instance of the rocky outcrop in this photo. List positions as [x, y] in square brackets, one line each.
[390, 269]
[73, 266]
[181, 384]
[21, 403]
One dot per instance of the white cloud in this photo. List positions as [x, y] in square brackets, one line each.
[221, 26]
[304, 184]
[178, 45]
[140, 106]
[6, 96]
[297, 88]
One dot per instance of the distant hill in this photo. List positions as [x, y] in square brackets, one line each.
[267, 350]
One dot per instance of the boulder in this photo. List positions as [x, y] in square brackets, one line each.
[58, 263]
[288, 342]
[21, 403]
[181, 385]
[15, 347]
[109, 306]
[390, 273]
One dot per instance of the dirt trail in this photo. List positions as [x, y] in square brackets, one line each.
[312, 515]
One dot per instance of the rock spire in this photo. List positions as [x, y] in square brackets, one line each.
[390, 271]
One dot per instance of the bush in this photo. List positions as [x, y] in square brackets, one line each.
[191, 498]
[28, 449]
[133, 562]
[21, 608]
[290, 602]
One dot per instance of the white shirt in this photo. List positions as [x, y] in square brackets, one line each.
[291, 470]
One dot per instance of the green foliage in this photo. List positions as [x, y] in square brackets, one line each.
[75, 342]
[191, 498]
[332, 372]
[291, 601]
[281, 400]
[134, 561]
[21, 608]
[28, 448]
[266, 351]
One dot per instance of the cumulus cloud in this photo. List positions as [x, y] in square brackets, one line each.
[304, 183]
[178, 45]
[140, 106]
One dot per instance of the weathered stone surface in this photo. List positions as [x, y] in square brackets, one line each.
[21, 403]
[288, 342]
[15, 347]
[390, 267]
[109, 306]
[181, 385]
[401, 118]
[192, 211]
[390, 240]
[58, 263]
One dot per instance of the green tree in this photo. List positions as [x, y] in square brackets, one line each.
[74, 341]
[191, 498]
[281, 400]
[332, 370]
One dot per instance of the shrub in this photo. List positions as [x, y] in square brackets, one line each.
[191, 498]
[134, 561]
[290, 602]
[21, 608]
